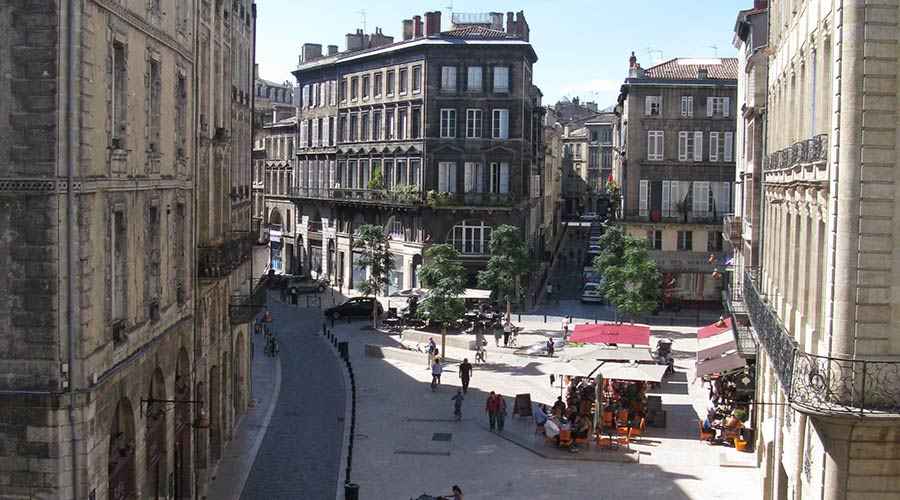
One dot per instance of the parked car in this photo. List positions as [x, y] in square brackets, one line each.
[300, 285]
[355, 307]
[592, 292]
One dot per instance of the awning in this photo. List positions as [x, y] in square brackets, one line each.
[714, 329]
[611, 333]
[725, 363]
[633, 371]
[717, 350]
[574, 367]
[609, 353]
[476, 294]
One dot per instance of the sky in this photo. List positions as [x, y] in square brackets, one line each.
[582, 45]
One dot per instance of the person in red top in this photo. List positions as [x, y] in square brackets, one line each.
[493, 408]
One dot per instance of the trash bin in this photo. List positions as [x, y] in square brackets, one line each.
[351, 491]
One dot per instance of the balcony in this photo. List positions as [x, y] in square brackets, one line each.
[218, 261]
[822, 384]
[244, 308]
[398, 196]
[658, 217]
[732, 228]
[809, 151]
[437, 199]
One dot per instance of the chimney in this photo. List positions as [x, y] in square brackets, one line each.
[497, 21]
[355, 41]
[510, 23]
[702, 73]
[522, 26]
[760, 4]
[432, 23]
[311, 51]
[417, 26]
[379, 39]
[332, 50]
[407, 29]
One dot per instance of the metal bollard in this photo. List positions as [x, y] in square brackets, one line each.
[520, 317]
[545, 318]
[351, 490]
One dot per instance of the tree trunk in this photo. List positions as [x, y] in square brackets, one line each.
[443, 339]
[375, 312]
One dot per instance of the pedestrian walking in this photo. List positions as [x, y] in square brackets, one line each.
[480, 356]
[501, 412]
[465, 374]
[565, 327]
[457, 405]
[498, 332]
[550, 347]
[436, 370]
[549, 292]
[491, 407]
[432, 352]
[507, 331]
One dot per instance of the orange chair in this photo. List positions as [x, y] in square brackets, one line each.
[637, 431]
[704, 435]
[565, 438]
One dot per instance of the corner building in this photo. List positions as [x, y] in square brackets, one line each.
[437, 137]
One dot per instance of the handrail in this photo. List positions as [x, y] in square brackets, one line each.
[812, 150]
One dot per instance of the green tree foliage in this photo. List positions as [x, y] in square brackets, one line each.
[376, 256]
[632, 284]
[445, 278]
[509, 262]
[612, 246]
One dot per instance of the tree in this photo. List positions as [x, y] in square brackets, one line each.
[632, 285]
[508, 263]
[445, 279]
[374, 246]
[612, 248]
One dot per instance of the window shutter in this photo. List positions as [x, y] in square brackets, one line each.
[713, 146]
[684, 106]
[451, 178]
[726, 106]
[647, 100]
[469, 181]
[443, 177]
[504, 177]
[698, 146]
[504, 124]
[729, 139]
[666, 197]
[315, 132]
[709, 106]
[700, 202]
[682, 146]
[644, 192]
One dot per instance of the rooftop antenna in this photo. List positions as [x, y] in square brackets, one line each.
[650, 51]
[715, 50]
[362, 14]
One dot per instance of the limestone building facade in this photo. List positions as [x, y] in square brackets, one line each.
[124, 198]
[823, 301]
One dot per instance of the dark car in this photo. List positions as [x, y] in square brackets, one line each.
[300, 285]
[357, 306]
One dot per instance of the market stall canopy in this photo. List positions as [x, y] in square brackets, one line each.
[727, 362]
[612, 333]
[574, 367]
[635, 372]
[714, 329]
[609, 353]
[476, 294]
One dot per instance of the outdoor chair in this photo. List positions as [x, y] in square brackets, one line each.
[704, 435]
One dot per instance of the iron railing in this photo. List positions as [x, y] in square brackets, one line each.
[220, 260]
[731, 227]
[381, 196]
[822, 384]
[244, 308]
[689, 217]
[436, 199]
[812, 150]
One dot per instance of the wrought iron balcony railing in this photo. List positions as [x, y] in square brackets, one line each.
[822, 384]
[689, 217]
[220, 260]
[244, 308]
[397, 196]
[731, 227]
[437, 199]
[812, 150]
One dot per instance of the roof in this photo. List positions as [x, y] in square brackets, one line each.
[681, 68]
[478, 33]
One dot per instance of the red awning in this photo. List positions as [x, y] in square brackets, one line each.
[714, 329]
[610, 333]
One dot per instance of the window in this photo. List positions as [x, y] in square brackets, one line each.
[718, 107]
[364, 126]
[402, 115]
[396, 230]
[119, 264]
[729, 146]
[404, 80]
[714, 145]
[643, 197]
[333, 93]
[501, 79]
[180, 115]
[343, 90]
[154, 89]
[714, 241]
[447, 177]
[690, 146]
[471, 238]
[416, 130]
[700, 198]
[604, 135]
[354, 129]
[653, 105]
[673, 193]
[365, 87]
[389, 124]
[377, 80]
[342, 130]
[417, 79]
[501, 124]
[687, 106]
[448, 78]
[474, 180]
[448, 123]
[499, 178]
[389, 81]
[415, 172]
[119, 95]
[331, 131]
[684, 241]
[376, 125]
[654, 239]
[473, 124]
[655, 145]
[354, 88]
[473, 80]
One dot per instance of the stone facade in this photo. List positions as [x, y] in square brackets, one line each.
[823, 300]
[436, 141]
[675, 135]
[98, 135]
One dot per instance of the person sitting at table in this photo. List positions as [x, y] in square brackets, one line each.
[731, 428]
[540, 414]
[559, 405]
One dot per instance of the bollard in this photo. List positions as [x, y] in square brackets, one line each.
[545, 318]
[351, 490]
[520, 317]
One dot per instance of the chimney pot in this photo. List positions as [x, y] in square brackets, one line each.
[510, 23]
[432, 23]
[417, 26]
[407, 29]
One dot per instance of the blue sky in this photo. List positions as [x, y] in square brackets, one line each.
[582, 45]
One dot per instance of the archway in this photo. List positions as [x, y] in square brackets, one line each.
[215, 417]
[183, 427]
[275, 218]
[416, 264]
[155, 438]
[120, 463]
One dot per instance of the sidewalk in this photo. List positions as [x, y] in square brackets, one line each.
[239, 455]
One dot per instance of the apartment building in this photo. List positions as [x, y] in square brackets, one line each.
[272, 103]
[818, 244]
[675, 138]
[124, 167]
[436, 137]
[277, 171]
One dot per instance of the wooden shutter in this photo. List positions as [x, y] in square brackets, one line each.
[644, 195]
[682, 146]
[726, 106]
[698, 146]
[647, 100]
[729, 146]
[700, 202]
[713, 146]
[504, 177]
[709, 106]
[666, 197]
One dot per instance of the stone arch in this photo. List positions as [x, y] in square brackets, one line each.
[470, 236]
[183, 436]
[155, 438]
[121, 460]
[276, 218]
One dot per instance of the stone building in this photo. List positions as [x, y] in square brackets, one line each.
[124, 160]
[552, 179]
[436, 137]
[820, 287]
[676, 136]
[575, 190]
[278, 172]
[272, 102]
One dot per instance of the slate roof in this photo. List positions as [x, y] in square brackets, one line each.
[686, 69]
[478, 32]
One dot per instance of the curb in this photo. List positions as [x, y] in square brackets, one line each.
[345, 442]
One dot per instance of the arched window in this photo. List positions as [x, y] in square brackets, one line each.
[471, 238]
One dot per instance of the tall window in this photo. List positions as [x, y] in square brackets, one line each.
[365, 87]
[390, 81]
[404, 80]
[501, 79]
[389, 129]
[378, 79]
[643, 197]
[714, 146]
[417, 79]
[653, 105]
[354, 127]
[714, 241]
[402, 122]
[729, 146]
[354, 88]
[415, 172]
[499, 177]
[119, 263]
[473, 123]
[447, 177]
[180, 116]
[654, 239]
[331, 131]
[471, 238]
[364, 126]
[448, 78]
[700, 198]
[376, 125]
[416, 124]
[718, 107]
[153, 91]
[655, 144]
[473, 80]
[685, 241]
[690, 146]
[343, 90]
[687, 106]
[501, 124]
[448, 123]
[119, 94]
[474, 180]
